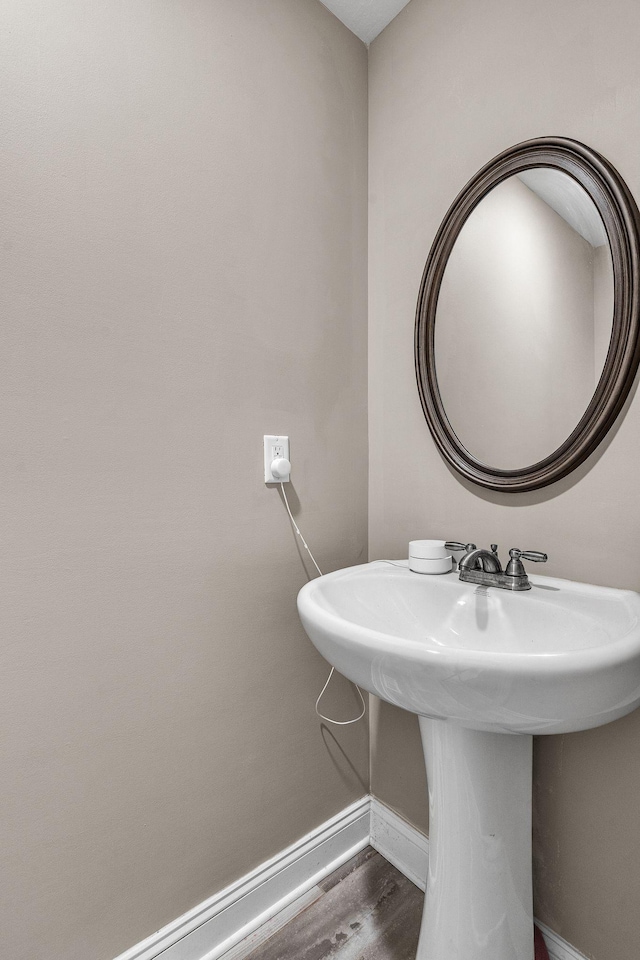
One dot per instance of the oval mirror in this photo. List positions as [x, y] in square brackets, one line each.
[527, 322]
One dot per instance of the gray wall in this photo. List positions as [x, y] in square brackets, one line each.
[452, 83]
[184, 269]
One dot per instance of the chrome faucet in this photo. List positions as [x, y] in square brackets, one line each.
[483, 566]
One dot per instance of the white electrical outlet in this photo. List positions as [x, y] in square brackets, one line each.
[275, 448]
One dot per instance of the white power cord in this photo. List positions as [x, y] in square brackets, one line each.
[297, 529]
[340, 723]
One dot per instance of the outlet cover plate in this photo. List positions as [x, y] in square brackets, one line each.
[275, 447]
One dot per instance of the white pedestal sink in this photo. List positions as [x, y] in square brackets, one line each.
[478, 665]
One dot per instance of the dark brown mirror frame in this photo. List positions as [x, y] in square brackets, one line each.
[622, 223]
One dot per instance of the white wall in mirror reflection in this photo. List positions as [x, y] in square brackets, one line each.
[523, 322]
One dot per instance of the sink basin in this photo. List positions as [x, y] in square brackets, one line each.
[484, 669]
[563, 656]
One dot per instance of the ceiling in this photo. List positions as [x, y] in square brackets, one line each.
[365, 18]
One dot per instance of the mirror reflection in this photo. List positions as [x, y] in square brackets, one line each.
[524, 318]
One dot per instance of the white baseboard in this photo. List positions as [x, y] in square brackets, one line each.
[558, 948]
[400, 843]
[216, 926]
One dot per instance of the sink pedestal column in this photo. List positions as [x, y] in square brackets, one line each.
[479, 891]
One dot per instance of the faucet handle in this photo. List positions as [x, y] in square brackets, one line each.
[454, 545]
[535, 555]
[515, 567]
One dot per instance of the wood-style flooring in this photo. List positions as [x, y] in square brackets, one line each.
[366, 910]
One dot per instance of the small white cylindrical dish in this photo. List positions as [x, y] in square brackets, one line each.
[429, 556]
[439, 565]
[428, 549]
